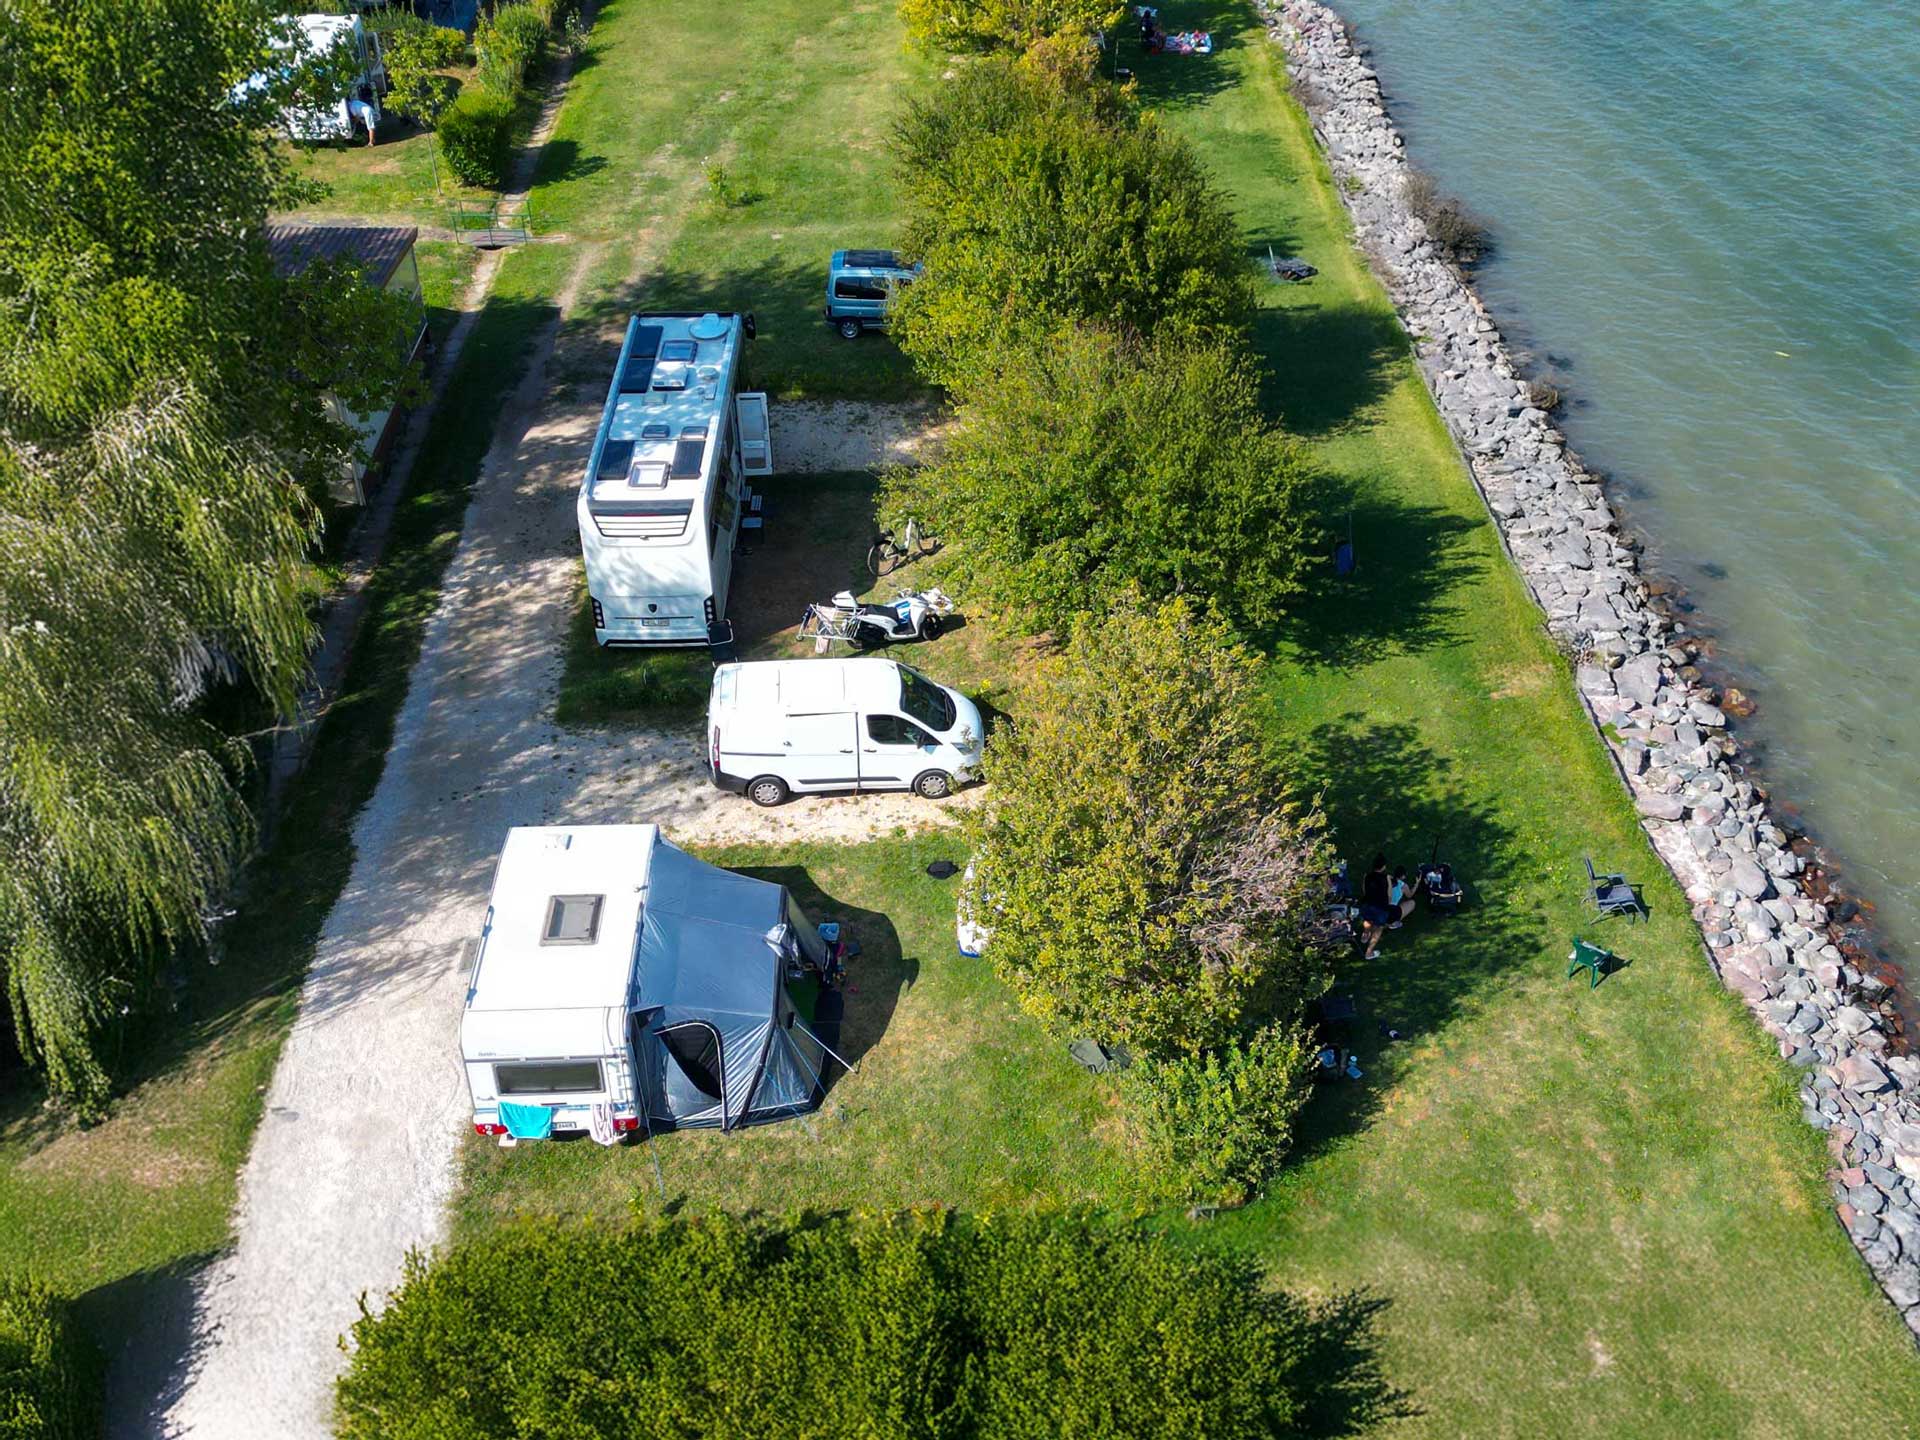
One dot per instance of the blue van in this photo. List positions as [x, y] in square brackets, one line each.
[861, 284]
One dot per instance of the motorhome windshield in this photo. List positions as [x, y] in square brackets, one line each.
[925, 701]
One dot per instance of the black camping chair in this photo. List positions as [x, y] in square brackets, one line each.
[1613, 895]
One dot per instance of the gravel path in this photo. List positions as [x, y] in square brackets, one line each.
[354, 1160]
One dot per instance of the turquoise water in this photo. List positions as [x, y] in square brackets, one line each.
[1709, 215]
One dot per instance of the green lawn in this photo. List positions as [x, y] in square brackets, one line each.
[1582, 1212]
[111, 1213]
[792, 99]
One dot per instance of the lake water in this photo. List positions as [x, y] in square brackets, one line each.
[1708, 214]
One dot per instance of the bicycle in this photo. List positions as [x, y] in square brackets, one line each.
[887, 554]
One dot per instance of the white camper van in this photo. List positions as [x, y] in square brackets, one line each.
[661, 505]
[617, 971]
[332, 117]
[780, 726]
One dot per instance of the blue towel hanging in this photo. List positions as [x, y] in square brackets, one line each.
[526, 1122]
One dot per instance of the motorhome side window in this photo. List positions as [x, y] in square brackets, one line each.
[895, 730]
[925, 701]
[546, 1077]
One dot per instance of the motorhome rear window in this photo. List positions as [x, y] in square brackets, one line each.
[572, 920]
[546, 1077]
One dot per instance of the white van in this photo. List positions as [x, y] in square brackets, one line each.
[776, 727]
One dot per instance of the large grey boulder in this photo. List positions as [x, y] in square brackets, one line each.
[1748, 878]
[1639, 678]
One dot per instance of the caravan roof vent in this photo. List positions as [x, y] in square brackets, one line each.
[708, 327]
[655, 430]
[572, 920]
[679, 351]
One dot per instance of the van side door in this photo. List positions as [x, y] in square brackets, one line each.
[820, 751]
[892, 751]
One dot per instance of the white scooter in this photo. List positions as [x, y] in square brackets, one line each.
[911, 615]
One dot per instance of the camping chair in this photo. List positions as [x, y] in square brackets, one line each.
[1612, 895]
[1591, 958]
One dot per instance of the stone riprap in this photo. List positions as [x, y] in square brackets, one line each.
[1769, 937]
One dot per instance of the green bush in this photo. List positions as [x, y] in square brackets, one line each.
[1093, 466]
[1144, 876]
[415, 52]
[50, 1376]
[509, 45]
[1215, 1127]
[476, 137]
[555, 14]
[1003, 24]
[1035, 207]
[921, 1324]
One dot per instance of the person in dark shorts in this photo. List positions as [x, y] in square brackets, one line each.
[1376, 908]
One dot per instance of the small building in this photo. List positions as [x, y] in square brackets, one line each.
[384, 254]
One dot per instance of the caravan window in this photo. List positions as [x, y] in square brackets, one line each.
[543, 1077]
[695, 1047]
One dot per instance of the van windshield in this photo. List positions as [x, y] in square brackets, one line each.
[925, 701]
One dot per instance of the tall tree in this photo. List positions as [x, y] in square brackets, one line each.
[1036, 206]
[1003, 24]
[162, 426]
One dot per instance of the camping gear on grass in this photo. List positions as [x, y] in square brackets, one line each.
[1612, 895]
[1289, 267]
[615, 969]
[1445, 893]
[1598, 963]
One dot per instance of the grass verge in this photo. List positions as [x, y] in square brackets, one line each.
[110, 1213]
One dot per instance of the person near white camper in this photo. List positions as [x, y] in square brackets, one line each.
[776, 728]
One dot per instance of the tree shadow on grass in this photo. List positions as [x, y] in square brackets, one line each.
[1328, 363]
[1336, 1373]
[1410, 562]
[876, 978]
[1386, 791]
[562, 160]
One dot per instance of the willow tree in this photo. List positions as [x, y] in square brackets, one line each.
[162, 429]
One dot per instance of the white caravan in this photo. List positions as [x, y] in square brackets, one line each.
[660, 507]
[616, 970]
[780, 726]
[331, 117]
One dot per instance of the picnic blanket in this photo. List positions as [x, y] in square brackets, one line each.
[1190, 42]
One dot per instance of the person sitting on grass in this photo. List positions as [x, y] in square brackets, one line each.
[1376, 906]
[1399, 898]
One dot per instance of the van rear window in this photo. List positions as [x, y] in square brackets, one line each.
[546, 1077]
[849, 287]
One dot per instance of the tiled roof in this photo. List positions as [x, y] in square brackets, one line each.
[378, 248]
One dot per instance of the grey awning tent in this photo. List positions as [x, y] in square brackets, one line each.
[717, 1037]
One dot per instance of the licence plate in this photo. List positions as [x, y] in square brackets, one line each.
[655, 620]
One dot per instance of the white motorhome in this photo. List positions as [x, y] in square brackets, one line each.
[780, 726]
[616, 970]
[331, 117]
[661, 505]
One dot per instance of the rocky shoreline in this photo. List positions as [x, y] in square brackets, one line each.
[1761, 907]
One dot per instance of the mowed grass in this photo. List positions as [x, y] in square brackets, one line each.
[117, 1212]
[1591, 1212]
[792, 101]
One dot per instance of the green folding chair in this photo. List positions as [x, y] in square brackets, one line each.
[1590, 958]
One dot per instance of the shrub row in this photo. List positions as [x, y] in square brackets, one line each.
[509, 43]
[1015, 25]
[1111, 475]
[50, 1375]
[920, 1324]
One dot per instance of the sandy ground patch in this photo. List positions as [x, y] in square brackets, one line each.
[814, 436]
